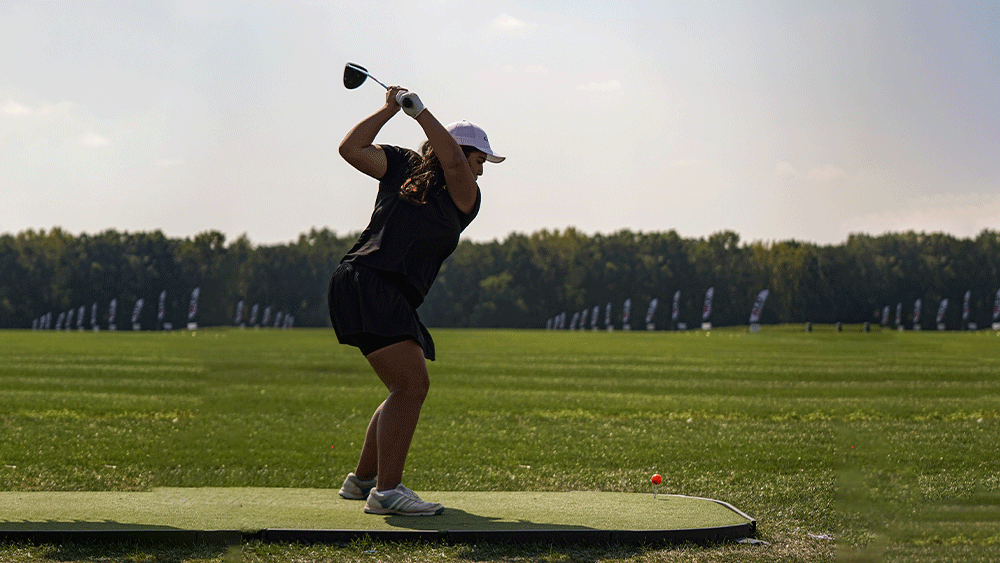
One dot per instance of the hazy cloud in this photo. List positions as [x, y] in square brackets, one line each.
[94, 140]
[528, 69]
[14, 108]
[52, 110]
[825, 174]
[963, 215]
[508, 23]
[607, 86]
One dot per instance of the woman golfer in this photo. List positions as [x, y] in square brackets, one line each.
[424, 203]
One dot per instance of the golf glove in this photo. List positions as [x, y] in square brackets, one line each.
[410, 103]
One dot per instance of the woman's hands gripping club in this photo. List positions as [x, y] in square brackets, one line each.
[408, 101]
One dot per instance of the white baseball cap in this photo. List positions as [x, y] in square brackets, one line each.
[472, 135]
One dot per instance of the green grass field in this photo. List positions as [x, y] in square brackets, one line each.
[884, 441]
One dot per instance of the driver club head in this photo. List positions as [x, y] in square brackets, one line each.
[354, 75]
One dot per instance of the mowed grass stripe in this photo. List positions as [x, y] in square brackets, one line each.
[762, 372]
[136, 381]
[683, 406]
[792, 388]
[135, 369]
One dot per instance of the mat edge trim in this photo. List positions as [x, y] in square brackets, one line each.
[277, 535]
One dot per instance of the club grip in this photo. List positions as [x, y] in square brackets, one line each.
[404, 101]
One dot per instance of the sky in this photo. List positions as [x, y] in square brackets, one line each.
[779, 120]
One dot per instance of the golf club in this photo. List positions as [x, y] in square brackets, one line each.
[355, 75]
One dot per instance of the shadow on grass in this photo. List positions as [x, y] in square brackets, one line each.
[109, 532]
[461, 527]
[457, 519]
[21, 526]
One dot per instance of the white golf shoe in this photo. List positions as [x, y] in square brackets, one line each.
[356, 489]
[402, 502]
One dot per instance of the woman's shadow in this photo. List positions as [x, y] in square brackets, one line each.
[455, 525]
[458, 519]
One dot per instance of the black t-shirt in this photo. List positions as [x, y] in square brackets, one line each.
[408, 242]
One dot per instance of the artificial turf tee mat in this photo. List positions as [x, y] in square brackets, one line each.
[321, 515]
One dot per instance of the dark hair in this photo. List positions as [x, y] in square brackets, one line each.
[426, 174]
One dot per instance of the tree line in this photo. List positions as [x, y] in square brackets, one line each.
[518, 282]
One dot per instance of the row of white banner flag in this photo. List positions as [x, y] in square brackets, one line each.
[942, 310]
[66, 319]
[580, 319]
[281, 319]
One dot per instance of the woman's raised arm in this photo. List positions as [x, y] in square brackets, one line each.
[358, 147]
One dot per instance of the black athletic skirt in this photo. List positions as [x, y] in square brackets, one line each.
[370, 312]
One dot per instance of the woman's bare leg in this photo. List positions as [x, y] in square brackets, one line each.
[402, 369]
[368, 463]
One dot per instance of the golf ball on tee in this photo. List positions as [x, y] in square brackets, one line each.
[656, 479]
